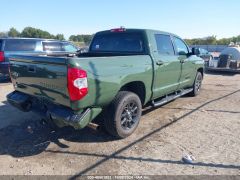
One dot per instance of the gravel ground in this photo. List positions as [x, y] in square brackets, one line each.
[206, 127]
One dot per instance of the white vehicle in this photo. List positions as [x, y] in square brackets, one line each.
[229, 60]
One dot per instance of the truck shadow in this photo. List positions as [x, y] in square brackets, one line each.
[33, 137]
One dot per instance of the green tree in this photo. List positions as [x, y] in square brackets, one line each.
[31, 32]
[76, 38]
[60, 37]
[211, 40]
[86, 38]
[3, 34]
[13, 33]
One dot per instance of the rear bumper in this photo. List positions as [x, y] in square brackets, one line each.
[61, 115]
[4, 74]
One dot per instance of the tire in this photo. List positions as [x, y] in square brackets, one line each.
[123, 115]
[50, 124]
[197, 84]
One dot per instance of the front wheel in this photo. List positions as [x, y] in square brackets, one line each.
[197, 84]
[123, 114]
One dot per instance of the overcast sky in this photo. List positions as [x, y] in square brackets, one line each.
[187, 18]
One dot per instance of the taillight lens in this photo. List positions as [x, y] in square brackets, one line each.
[1, 56]
[77, 84]
[121, 29]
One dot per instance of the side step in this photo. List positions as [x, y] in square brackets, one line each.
[171, 97]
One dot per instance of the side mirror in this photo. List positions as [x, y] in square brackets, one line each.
[182, 53]
[195, 51]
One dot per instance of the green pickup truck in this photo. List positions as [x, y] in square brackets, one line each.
[123, 71]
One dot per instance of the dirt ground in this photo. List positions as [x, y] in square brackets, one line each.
[207, 127]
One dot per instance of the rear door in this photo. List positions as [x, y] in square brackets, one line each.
[167, 66]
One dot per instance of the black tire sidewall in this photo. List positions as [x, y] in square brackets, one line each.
[118, 112]
[196, 92]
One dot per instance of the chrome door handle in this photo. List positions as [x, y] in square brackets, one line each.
[32, 68]
[159, 63]
[182, 61]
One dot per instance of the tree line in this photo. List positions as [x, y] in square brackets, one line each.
[85, 39]
[30, 32]
[212, 40]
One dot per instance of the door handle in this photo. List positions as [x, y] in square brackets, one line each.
[32, 69]
[182, 61]
[159, 63]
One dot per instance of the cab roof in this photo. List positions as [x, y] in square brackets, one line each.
[37, 39]
[137, 30]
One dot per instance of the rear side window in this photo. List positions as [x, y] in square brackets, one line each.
[118, 42]
[52, 46]
[164, 44]
[19, 45]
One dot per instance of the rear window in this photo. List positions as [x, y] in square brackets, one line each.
[52, 46]
[118, 42]
[19, 45]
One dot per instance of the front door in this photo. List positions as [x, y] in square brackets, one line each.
[167, 67]
[187, 64]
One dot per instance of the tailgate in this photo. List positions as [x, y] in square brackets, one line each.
[42, 77]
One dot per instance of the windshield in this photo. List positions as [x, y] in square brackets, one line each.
[118, 42]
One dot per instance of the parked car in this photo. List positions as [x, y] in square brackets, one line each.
[124, 70]
[30, 46]
[207, 56]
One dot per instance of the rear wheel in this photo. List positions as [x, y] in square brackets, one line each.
[123, 114]
[50, 124]
[197, 84]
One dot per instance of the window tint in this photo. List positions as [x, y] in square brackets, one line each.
[180, 45]
[20, 45]
[69, 47]
[164, 44]
[118, 42]
[52, 46]
[0, 45]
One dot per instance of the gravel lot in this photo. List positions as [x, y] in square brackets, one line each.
[206, 127]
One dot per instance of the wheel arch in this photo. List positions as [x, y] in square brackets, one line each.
[201, 71]
[137, 87]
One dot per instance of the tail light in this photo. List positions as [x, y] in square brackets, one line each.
[77, 84]
[2, 56]
[121, 29]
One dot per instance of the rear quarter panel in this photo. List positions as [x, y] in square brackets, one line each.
[106, 76]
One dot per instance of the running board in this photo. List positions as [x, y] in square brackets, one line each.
[171, 97]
